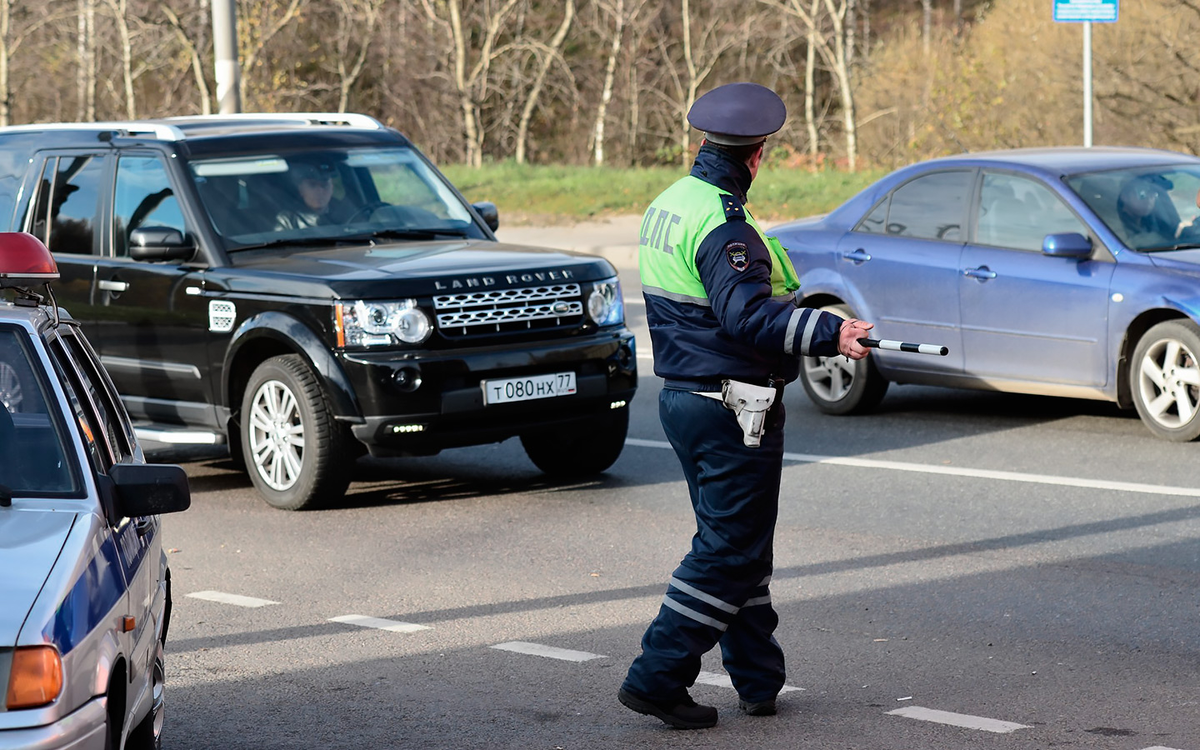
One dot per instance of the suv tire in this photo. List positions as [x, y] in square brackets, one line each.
[579, 452]
[298, 456]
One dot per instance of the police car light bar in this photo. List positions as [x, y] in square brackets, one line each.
[25, 261]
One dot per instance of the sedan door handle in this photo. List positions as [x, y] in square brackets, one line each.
[110, 285]
[983, 272]
[858, 256]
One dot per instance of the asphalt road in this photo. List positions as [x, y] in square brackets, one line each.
[960, 570]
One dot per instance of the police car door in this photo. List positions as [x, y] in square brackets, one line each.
[137, 542]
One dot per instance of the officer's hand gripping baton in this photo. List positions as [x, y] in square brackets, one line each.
[900, 346]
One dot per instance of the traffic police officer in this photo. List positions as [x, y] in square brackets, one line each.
[726, 334]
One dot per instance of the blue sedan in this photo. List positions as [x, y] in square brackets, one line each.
[1056, 271]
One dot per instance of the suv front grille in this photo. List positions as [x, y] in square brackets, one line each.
[509, 310]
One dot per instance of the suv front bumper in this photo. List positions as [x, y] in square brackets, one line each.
[422, 402]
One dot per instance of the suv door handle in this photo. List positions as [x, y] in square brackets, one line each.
[111, 285]
[858, 256]
[983, 272]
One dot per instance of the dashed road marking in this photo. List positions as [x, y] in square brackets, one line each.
[1006, 476]
[379, 623]
[1158, 747]
[717, 679]
[234, 599]
[550, 652]
[957, 720]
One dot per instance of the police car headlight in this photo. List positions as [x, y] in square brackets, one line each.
[35, 677]
[605, 305]
[362, 323]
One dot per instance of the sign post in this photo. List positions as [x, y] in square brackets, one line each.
[1085, 12]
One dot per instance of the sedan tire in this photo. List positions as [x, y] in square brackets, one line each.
[840, 385]
[298, 456]
[1165, 378]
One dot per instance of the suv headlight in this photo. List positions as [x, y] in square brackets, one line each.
[605, 305]
[372, 323]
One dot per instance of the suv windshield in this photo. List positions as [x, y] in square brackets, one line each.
[32, 450]
[330, 195]
[1149, 208]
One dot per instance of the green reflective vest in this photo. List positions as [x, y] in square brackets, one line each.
[674, 226]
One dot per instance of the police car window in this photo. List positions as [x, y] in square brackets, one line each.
[1017, 212]
[34, 460]
[107, 403]
[143, 198]
[67, 199]
[91, 425]
[931, 207]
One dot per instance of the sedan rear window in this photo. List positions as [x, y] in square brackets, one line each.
[33, 455]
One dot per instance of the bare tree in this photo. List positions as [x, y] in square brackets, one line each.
[356, 22]
[548, 55]
[193, 53]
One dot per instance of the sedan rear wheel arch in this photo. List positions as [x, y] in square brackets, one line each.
[838, 385]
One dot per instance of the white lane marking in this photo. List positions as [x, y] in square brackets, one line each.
[957, 720]
[1158, 747]
[718, 679]
[550, 652]
[379, 623]
[645, 355]
[235, 599]
[1004, 476]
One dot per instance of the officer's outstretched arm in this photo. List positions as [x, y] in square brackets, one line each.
[735, 268]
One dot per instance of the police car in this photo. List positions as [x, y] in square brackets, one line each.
[85, 595]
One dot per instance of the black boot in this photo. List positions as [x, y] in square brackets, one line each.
[681, 713]
[759, 708]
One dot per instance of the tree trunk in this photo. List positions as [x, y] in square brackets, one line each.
[606, 94]
[810, 64]
[692, 85]
[197, 61]
[547, 60]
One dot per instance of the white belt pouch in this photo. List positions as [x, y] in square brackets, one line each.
[749, 403]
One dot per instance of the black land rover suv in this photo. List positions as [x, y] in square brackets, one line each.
[306, 287]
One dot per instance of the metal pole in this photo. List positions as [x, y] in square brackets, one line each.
[1087, 84]
[224, 21]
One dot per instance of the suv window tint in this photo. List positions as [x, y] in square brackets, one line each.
[33, 448]
[931, 207]
[143, 198]
[1017, 212]
[66, 203]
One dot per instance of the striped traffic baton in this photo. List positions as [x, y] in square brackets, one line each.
[901, 346]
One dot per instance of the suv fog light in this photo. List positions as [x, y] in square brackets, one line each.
[400, 428]
[407, 379]
[616, 405]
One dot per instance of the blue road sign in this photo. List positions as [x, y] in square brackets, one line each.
[1104, 11]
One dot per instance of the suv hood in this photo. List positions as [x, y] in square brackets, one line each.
[30, 542]
[412, 268]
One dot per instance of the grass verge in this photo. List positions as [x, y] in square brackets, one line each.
[549, 194]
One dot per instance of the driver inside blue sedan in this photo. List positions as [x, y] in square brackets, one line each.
[1148, 217]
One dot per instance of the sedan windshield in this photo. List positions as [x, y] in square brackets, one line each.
[329, 196]
[33, 455]
[1149, 208]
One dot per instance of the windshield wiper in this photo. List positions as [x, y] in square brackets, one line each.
[292, 242]
[1168, 248]
[415, 234]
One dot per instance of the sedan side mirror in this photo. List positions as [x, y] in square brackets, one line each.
[1067, 245]
[160, 243]
[149, 489]
[489, 213]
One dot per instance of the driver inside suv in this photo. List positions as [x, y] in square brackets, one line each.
[313, 202]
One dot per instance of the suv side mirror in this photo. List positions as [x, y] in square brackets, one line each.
[160, 243]
[149, 489]
[1067, 245]
[489, 213]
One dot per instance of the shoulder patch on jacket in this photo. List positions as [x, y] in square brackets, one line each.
[733, 208]
[738, 255]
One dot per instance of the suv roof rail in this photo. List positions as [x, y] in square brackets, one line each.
[162, 131]
[352, 119]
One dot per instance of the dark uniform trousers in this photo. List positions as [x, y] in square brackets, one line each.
[719, 592]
